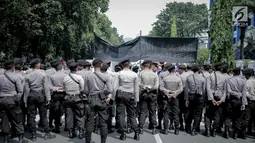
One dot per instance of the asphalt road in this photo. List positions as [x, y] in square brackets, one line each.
[147, 137]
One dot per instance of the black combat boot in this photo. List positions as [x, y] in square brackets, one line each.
[182, 127]
[129, 130]
[226, 133]
[6, 139]
[33, 138]
[137, 136]
[165, 132]
[72, 134]
[81, 133]
[21, 139]
[123, 136]
[207, 132]
[141, 130]
[214, 133]
[193, 132]
[154, 131]
[176, 131]
[235, 135]
[49, 136]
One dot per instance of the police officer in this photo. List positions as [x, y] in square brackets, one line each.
[149, 83]
[183, 109]
[58, 95]
[216, 95]
[237, 100]
[37, 96]
[11, 91]
[127, 98]
[161, 96]
[74, 101]
[154, 67]
[206, 70]
[98, 88]
[51, 70]
[171, 86]
[250, 86]
[194, 97]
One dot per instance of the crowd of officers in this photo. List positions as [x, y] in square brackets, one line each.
[90, 99]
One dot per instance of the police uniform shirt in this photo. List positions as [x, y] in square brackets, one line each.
[206, 74]
[190, 72]
[217, 89]
[57, 80]
[7, 88]
[236, 86]
[194, 85]
[94, 85]
[50, 72]
[184, 76]
[21, 77]
[84, 73]
[36, 80]
[127, 81]
[250, 86]
[2, 71]
[149, 78]
[71, 87]
[171, 83]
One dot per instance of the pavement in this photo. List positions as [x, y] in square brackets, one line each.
[147, 137]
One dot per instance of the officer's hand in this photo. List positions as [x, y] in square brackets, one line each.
[187, 103]
[47, 102]
[243, 107]
[25, 104]
[108, 100]
[214, 102]
[219, 102]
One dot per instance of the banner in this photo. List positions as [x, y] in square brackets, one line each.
[173, 50]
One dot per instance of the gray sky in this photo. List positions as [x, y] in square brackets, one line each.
[131, 16]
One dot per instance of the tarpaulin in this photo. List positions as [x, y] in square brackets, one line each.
[174, 50]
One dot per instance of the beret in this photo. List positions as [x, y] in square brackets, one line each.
[224, 67]
[107, 62]
[8, 63]
[189, 66]
[194, 67]
[171, 67]
[217, 65]
[18, 61]
[125, 61]
[70, 61]
[206, 65]
[97, 61]
[236, 69]
[83, 63]
[146, 62]
[73, 65]
[154, 64]
[104, 67]
[182, 67]
[248, 71]
[35, 61]
[43, 66]
[53, 62]
[167, 65]
[56, 63]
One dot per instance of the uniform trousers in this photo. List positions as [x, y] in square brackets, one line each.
[56, 108]
[196, 105]
[234, 114]
[183, 110]
[148, 106]
[171, 110]
[251, 107]
[75, 112]
[36, 100]
[213, 113]
[126, 103]
[102, 115]
[10, 112]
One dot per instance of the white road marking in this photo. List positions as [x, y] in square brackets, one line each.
[157, 138]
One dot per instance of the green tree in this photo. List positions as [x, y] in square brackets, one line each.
[202, 56]
[53, 28]
[174, 27]
[191, 19]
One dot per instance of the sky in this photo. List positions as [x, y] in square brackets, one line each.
[132, 16]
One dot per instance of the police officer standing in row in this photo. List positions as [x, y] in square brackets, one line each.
[58, 95]
[74, 101]
[98, 87]
[149, 84]
[236, 102]
[250, 86]
[216, 95]
[11, 91]
[127, 98]
[194, 97]
[171, 86]
[37, 96]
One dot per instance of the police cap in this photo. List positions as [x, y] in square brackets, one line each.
[146, 62]
[73, 65]
[182, 67]
[35, 61]
[97, 62]
[248, 71]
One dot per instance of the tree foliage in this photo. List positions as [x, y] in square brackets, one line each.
[203, 54]
[52, 28]
[191, 19]
[174, 27]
